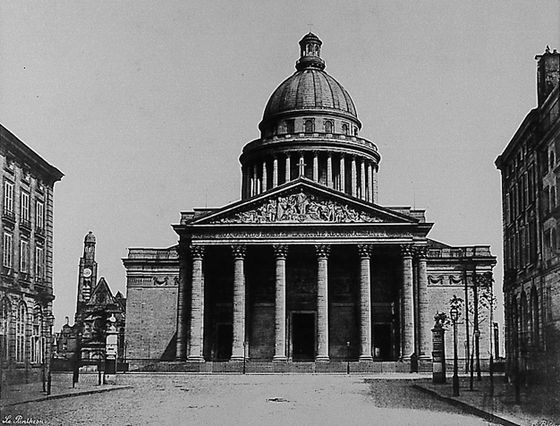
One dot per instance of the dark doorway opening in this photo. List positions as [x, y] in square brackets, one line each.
[303, 336]
[383, 341]
[224, 340]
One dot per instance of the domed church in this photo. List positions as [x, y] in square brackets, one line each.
[306, 271]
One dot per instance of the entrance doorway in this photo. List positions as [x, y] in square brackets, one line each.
[382, 340]
[303, 336]
[224, 339]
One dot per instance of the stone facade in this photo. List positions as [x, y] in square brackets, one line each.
[531, 214]
[306, 266]
[26, 287]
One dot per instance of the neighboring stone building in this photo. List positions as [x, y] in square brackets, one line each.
[531, 213]
[26, 287]
[306, 266]
[95, 306]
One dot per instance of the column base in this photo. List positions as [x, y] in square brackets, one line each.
[322, 358]
[195, 359]
[236, 359]
[279, 358]
[365, 358]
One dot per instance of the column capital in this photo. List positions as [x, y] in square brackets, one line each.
[364, 250]
[280, 251]
[322, 250]
[406, 250]
[420, 252]
[197, 252]
[238, 251]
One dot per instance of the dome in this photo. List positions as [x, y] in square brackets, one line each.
[310, 88]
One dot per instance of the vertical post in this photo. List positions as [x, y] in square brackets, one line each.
[354, 180]
[348, 357]
[288, 168]
[467, 331]
[180, 352]
[455, 361]
[316, 167]
[370, 182]
[264, 177]
[322, 302]
[329, 171]
[362, 179]
[408, 305]
[237, 350]
[197, 305]
[342, 174]
[476, 330]
[280, 253]
[423, 304]
[438, 352]
[275, 172]
[364, 252]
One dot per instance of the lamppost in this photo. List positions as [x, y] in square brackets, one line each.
[454, 313]
[348, 357]
[77, 357]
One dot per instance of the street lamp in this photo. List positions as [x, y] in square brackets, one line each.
[348, 357]
[454, 313]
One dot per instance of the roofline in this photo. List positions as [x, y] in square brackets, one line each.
[20, 149]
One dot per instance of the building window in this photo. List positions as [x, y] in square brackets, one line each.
[39, 215]
[5, 314]
[36, 337]
[552, 160]
[24, 205]
[355, 131]
[39, 262]
[553, 240]
[20, 332]
[329, 126]
[24, 256]
[309, 126]
[8, 197]
[344, 128]
[7, 250]
[290, 126]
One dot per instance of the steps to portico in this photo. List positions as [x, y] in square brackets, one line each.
[268, 367]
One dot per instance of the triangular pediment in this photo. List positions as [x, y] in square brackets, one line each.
[306, 202]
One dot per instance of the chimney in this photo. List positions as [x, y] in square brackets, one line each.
[548, 73]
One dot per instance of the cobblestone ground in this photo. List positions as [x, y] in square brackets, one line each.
[184, 399]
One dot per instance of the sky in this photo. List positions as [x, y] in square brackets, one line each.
[146, 105]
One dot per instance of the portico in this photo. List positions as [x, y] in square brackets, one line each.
[309, 256]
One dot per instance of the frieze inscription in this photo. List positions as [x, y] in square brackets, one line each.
[300, 207]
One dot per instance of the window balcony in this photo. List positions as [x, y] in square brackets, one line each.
[24, 279]
[40, 232]
[25, 225]
[9, 216]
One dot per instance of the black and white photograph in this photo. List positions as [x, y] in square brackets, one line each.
[280, 213]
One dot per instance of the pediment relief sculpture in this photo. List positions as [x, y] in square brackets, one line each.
[300, 207]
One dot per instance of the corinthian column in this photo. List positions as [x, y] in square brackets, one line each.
[197, 305]
[264, 177]
[180, 353]
[316, 167]
[342, 174]
[354, 180]
[362, 179]
[424, 333]
[365, 302]
[238, 302]
[280, 253]
[407, 303]
[329, 171]
[322, 303]
[370, 182]
[275, 172]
